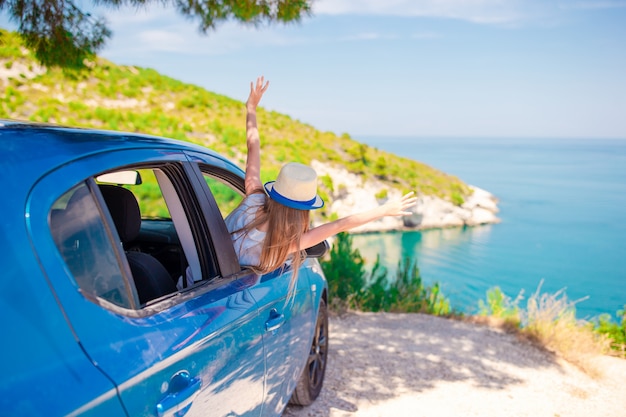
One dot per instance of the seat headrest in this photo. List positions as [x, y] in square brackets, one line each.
[124, 210]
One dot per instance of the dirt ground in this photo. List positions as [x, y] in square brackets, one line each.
[413, 365]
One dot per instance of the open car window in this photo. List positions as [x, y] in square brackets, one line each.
[226, 196]
[227, 188]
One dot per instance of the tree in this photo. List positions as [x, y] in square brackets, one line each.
[61, 34]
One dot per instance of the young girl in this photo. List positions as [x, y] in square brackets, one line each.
[271, 224]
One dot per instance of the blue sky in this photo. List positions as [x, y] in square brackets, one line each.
[464, 68]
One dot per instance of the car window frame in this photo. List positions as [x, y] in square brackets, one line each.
[228, 261]
[179, 177]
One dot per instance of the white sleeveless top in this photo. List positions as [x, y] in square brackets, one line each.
[247, 245]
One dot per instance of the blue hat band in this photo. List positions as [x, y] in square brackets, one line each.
[296, 204]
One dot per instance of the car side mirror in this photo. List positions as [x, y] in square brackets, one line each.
[317, 251]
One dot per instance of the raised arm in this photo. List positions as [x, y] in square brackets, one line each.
[253, 161]
[391, 208]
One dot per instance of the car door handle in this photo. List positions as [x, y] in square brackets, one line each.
[183, 389]
[275, 321]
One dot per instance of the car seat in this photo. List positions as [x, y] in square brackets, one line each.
[151, 278]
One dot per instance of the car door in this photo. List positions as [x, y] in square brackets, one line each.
[287, 338]
[288, 321]
[196, 351]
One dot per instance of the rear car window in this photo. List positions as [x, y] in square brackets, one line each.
[82, 240]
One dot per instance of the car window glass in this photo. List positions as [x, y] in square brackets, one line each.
[82, 240]
[226, 196]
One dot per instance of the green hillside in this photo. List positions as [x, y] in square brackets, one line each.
[130, 98]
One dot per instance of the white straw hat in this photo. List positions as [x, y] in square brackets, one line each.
[295, 187]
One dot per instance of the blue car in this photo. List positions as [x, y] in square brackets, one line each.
[122, 295]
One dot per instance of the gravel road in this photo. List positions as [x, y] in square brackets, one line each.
[396, 365]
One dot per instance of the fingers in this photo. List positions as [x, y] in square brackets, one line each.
[257, 91]
[408, 200]
[261, 84]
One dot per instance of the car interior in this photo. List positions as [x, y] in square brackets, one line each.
[152, 279]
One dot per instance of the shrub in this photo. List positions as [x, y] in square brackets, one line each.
[457, 191]
[380, 167]
[376, 297]
[345, 271]
[500, 306]
[457, 199]
[616, 332]
[327, 182]
[412, 296]
[407, 293]
[382, 194]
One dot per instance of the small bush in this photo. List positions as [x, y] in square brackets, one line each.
[327, 181]
[457, 199]
[499, 305]
[345, 272]
[382, 194]
[380, 167]
[406, 294]
[616, 332]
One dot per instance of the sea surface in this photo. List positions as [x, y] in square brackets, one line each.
[563, 210]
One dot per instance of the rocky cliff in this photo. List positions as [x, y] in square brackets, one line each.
[351, 193]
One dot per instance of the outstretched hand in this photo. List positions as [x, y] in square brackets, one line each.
[399, 207]
[256, 92]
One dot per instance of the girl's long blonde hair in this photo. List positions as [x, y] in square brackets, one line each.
[285, 227]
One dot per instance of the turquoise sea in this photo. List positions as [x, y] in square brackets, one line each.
[563, 210]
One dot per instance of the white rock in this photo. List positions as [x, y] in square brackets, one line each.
[481, 216]
[481, 198]
[19, 70]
